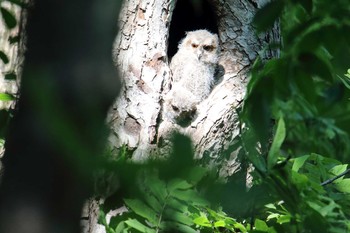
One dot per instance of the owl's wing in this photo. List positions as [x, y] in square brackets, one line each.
[178, 62]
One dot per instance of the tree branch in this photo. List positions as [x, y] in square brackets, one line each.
[334, 178]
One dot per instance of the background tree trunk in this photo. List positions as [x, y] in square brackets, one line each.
[58, 130]
[11, 50]
[12, 44]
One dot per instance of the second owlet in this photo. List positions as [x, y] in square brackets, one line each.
[193, 68]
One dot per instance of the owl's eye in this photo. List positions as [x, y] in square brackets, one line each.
[175, 108]
[194, 45]
[208, 48]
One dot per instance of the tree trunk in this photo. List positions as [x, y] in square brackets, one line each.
[140, 53]
[149, 33]
[58, 130]
[11, 51]
[12, 45]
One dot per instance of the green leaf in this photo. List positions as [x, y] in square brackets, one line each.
[240, 226]
[284, 219]
[313, 65]
[343, 185]
[300, 180]
[267, 15]
[6, 97]
[9, 18]
[261, 225]
[274, 152]
[190, 196]
[177, 227]
[157, 187]
[202, 221]
[220, 223]
[178, 184]
[153, 202]
[177, 205]
[196, 174]
[142, 209]
[307, 5]
[345, 80]
[120, 228]
[338, 169]
[139, 226]
[299, 162]
[177, 216]
[4, 57]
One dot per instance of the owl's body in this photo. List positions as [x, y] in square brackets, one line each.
[193, 68]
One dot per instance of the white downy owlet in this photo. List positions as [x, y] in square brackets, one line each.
[193, 68]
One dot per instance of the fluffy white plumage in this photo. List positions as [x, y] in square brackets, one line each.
[193, 68]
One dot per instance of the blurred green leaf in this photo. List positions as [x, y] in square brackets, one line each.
[202, 221]
[274, 152]
[143, 210]
[338, 169]
[139, 226]
[178, 184]
[121, 227]
[6, 97]
[267, 15]
[220, 223]
[261, 225]
[153, 202]
[299, 162]
[307, 5]
[178, 216]
[344, 185]
[314, 66]
[189, 196]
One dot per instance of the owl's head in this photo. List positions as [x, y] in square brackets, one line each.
[202, 44]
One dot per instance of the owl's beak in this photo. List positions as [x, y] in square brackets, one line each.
[199, 53]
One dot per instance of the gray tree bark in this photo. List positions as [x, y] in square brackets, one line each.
[14, 50]
[11, 50]
[140, 53]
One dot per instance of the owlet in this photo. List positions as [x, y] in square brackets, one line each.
[193, 68]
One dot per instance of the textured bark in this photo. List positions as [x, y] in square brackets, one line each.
[14, 51]
[215, 129]
[140, 54]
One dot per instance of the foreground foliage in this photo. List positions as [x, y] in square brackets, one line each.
[299, 182]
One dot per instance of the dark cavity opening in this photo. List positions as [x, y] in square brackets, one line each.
[190, 15]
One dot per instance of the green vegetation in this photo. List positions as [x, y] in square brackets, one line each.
[299, 177]
[296, 119]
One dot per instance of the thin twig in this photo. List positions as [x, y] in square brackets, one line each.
[334, 178]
